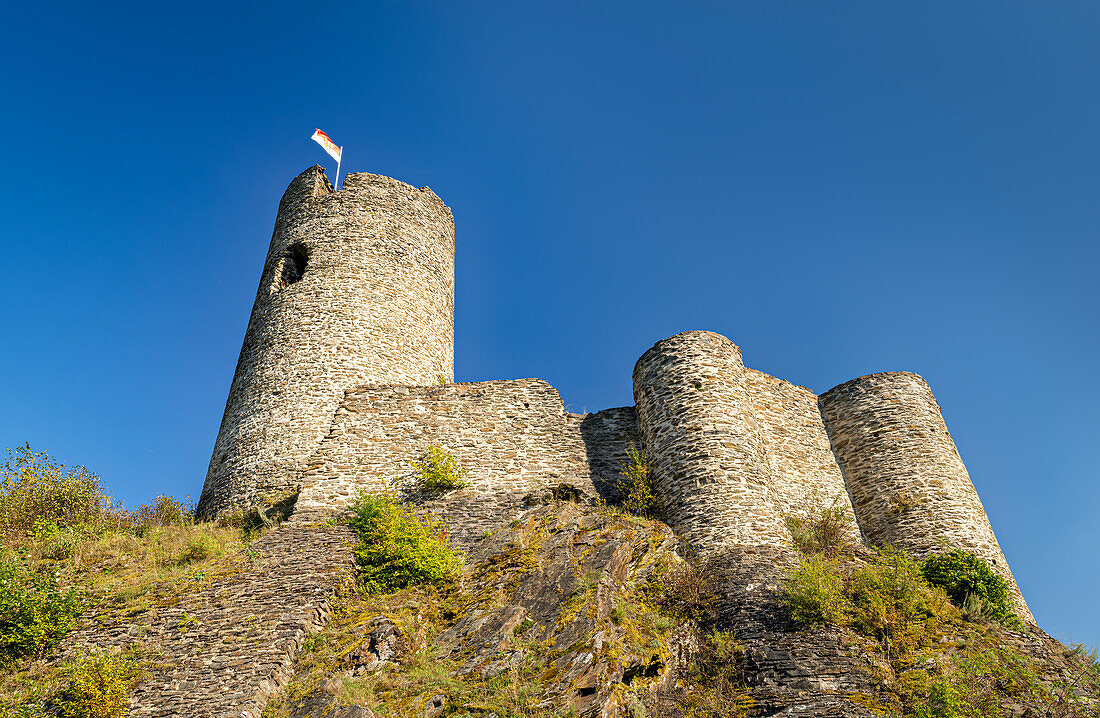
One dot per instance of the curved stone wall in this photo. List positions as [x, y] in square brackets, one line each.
[699, 433]
[908, 484]
[357, 288]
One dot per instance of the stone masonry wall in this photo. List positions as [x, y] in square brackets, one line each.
[805, 477]
[512, 437]
[908, 484]
[704, 445]
[358, 287]
[228, 645]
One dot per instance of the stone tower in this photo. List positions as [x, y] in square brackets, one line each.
[907, 481]
[697, 424]
[357, 288]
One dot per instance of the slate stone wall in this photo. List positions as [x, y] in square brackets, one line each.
[225, 647]
[908, 484]
[803, 472]
[513, 438]
[358, 287]
[703, 441]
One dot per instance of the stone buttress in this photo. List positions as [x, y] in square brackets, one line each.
[357, 288]
[906, 478]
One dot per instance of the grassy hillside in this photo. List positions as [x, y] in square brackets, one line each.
[67, 551]
[569, 610]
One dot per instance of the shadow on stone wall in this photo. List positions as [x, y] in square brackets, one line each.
[607, 435]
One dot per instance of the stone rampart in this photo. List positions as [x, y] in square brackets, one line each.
[357, 288]
[803, 472]
[906, 479]
[703, 442]
[512, 438]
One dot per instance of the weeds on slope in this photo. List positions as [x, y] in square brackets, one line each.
[67, 548]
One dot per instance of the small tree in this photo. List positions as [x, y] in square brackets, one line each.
[439, 472]
[638, 485]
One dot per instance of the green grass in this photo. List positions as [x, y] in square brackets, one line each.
[67, 548]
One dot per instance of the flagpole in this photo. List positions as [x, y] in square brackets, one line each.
[338, 159]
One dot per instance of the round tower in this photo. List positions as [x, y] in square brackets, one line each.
[357, 288]
[699, 435]
[907, 481]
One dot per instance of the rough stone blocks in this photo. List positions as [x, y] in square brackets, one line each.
[357, 288]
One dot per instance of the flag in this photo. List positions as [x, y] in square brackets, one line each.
[322, 139]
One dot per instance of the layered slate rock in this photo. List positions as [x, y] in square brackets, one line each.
[225, 649]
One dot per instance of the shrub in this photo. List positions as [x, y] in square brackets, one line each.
[963, 575]
[827, 531]
[716, 670]
[397, 549]
[888, 596]
[813, 593]
[164, 511]
[973, 685]
[696, 589]
[35, 611]
[99, 686]
[438, 472]
[38, 492]
[637, 484]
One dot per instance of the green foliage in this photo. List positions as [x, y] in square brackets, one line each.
[35, 609]
[814, 593]
[885, 599]
[439, 472]
[826, 531]
[889, 599]
[721, 691]
[973, 685]
[99, 686]
[965, 576]
[37, 492]
[397, 549]
[637, 484]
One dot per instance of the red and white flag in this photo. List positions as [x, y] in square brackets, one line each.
[322, 139]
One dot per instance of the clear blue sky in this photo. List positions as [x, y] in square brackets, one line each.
[841, 188]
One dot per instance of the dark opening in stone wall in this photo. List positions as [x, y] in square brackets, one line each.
[293, 265]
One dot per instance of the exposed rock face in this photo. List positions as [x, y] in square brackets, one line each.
[560, 578]
[575, 599]
[570, 599]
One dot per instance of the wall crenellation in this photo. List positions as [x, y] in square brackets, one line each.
[345, 377]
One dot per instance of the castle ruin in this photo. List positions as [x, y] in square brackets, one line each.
[346, 372]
